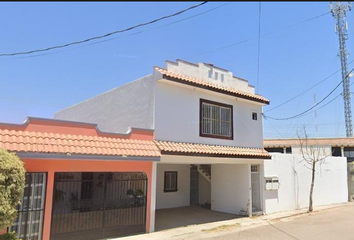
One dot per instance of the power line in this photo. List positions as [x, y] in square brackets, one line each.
[263, 35]
[274, 128]
[129, 35]
[302, 93]
[306, 111]
[105, 35]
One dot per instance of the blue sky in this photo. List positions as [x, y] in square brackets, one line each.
[292, 59]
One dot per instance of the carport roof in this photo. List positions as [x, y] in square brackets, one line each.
[45, 136]
[197, 149]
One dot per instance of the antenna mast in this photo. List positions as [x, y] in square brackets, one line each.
[339, 11]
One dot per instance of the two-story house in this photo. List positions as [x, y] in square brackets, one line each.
[207, 124]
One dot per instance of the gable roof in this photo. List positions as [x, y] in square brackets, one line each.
[210, 86]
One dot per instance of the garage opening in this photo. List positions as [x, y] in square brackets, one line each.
[97, 205]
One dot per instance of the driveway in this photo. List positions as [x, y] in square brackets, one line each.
[326, 223]
[183, 216]
[335, 223]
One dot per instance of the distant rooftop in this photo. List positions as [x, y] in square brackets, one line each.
[334, 142]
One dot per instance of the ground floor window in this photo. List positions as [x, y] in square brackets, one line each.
[29, 222]
[170, 182]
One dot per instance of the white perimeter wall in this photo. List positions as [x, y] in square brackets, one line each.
[180, 198]
[295, 179]
[177, 116]
[230, 187]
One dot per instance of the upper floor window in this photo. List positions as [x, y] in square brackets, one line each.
[254, 116]
[216, 76]
[222, 77]
[215, 120]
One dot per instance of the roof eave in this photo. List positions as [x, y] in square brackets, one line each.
[174, 79]
[93, 157]
[215, 155]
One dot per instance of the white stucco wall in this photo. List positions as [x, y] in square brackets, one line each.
[230, 187]
[180, 198]
[204, 190]
[200, 71]
[130, 105]
[295, 180]
[177, 116]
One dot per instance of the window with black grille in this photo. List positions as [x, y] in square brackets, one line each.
[215, 120]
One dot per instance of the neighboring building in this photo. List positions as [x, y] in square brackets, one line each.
[82, 183]
[337, 147]
[208, 126]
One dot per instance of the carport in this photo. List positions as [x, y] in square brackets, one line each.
[184, 216]
[202, 188]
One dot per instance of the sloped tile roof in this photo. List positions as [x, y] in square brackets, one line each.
[349, 142]
[182, 148]
[42, 142]
[213, 86]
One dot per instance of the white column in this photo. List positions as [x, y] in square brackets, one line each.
[284, 150]
[342, 151]
[153, 197]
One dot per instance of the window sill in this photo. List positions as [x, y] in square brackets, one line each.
[170, 190]
[215, 136]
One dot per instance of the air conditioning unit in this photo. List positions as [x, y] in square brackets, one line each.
[271, 183]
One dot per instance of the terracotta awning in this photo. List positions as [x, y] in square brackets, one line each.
[211, 86]
[196, 149]
[42, 142]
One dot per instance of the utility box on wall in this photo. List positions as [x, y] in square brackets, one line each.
[271, 183]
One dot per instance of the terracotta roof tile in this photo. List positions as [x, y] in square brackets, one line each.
[206, 149]
[201, 83]
[319, 141]
[38, 142]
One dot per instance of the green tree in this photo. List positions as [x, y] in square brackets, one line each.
[12, 184]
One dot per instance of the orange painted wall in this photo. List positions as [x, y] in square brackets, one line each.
[52, 166]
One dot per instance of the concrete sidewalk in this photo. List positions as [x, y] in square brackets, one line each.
[208, 230]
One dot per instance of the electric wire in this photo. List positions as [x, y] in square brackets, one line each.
[314, 106]
[302, 93]
[263, 35]
[104, 35]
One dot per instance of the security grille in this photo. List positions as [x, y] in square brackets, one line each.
[29, 222]
[216, 120]
[98, 205]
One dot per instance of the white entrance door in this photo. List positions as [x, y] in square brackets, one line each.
[255, 184]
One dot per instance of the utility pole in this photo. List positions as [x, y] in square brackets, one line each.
[339, 11]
